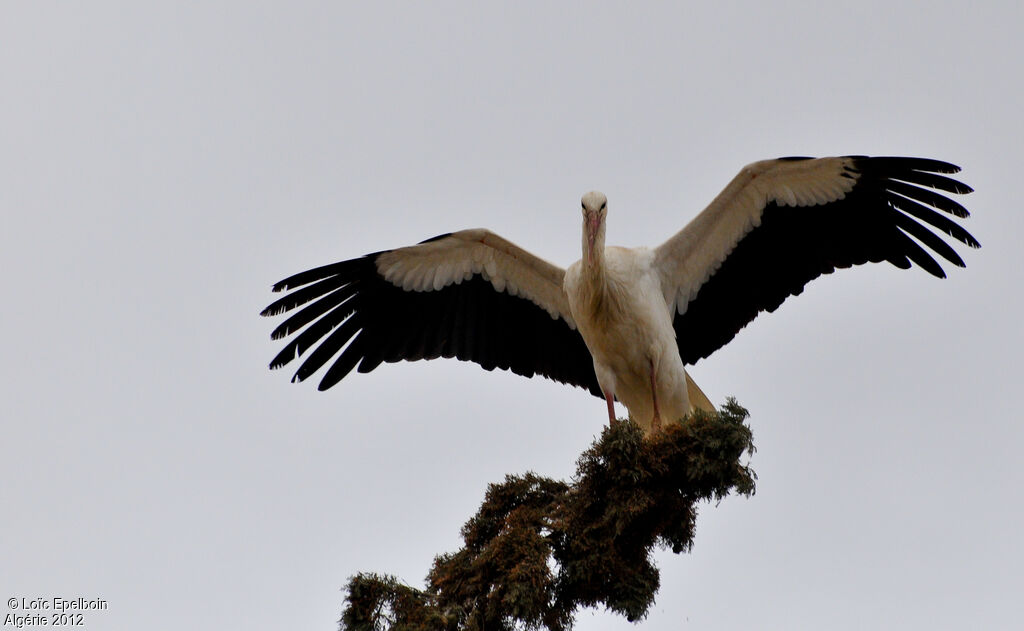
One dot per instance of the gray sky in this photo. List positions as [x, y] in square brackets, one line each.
[163, 163]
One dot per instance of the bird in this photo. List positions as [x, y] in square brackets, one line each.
[623, 323]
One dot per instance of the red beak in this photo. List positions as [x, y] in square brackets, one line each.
[592, 225]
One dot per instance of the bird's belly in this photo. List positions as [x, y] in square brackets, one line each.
[626, 350]
[639, 390]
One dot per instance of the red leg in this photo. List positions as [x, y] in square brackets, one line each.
[656, 423]
[611, 409]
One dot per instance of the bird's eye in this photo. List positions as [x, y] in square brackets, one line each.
[583, 205]
[603, 204]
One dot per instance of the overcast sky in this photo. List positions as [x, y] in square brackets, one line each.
[161, 164]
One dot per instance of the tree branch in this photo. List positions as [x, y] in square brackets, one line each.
[539, 549]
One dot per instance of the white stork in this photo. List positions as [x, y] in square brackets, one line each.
[623, 322]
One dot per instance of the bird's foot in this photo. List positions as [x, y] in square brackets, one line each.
[656, 424]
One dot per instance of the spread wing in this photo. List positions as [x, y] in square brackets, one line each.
[471, 295]
[782, 223]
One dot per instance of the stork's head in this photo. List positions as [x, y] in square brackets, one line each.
[595, 208]
[594, 202]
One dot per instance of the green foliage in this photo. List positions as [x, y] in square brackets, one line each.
[539, 549]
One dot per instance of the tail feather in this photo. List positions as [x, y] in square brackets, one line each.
[698, 400]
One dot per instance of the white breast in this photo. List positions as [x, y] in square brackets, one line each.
[627, 326]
